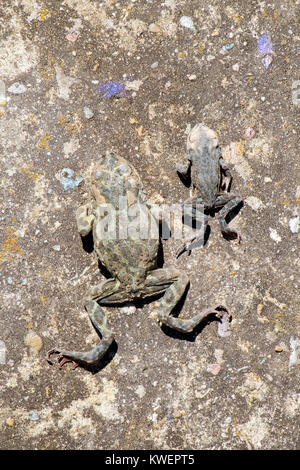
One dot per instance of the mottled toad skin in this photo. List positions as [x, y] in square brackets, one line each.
[211, 180]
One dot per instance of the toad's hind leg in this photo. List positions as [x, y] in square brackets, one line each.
[174, 283]
[104, 290]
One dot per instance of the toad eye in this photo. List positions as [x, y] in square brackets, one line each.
[97, 174]
[124, 170]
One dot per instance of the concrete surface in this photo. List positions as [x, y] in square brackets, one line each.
[156, 390]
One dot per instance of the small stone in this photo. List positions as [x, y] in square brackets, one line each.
[72, 37]
[236, 67]
[33, 416]
[254, 203]
[267, 179]
[17, 88]
[9, 280]
[229, 46]
[192, 77]
[88, 113]
[294, 224]
[10, 422]
[24, 281]
[279, 349]
[274, 235]
[266, 61]
[249, 132]
[213, 368]
[154, 65]
[186, 22]
[154, 28]
[56, 247]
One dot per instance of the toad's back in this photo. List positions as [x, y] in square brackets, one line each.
[203, 150]
[128, 260]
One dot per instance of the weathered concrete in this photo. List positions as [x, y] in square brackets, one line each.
[158, 391]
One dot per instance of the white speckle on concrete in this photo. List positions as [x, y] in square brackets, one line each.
[255, 203]
[253, 432]
[17, 88]
[33, 416]
[295, 354]
[292, 405]
[64, 83]
[186, 22]
[128, 309]
[88, 113]
[22, 54]
[294, 224]
[56, 247]
[71, 146]
[275, 235]
[140, 391]
[153, 417]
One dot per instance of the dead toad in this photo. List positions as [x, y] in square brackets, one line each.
[210, 192]
[130, 259]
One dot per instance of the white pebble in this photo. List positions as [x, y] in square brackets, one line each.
[56, 247]
[254, 203]
[294, 224]
[186, 22]
[274, 235]
[17, 88]
[88, 112]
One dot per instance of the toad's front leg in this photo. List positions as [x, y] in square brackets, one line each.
[85, 219]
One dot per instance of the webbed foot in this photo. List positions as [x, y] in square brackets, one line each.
[62, 358]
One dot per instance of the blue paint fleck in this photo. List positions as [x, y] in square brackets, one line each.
[111, 89]
[264, 44]
[66, 177]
